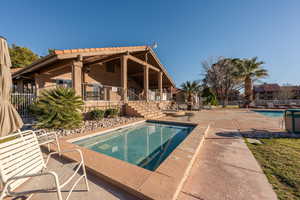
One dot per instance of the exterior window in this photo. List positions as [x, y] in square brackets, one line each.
[64, 83]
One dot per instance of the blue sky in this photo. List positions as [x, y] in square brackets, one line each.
[187, 32]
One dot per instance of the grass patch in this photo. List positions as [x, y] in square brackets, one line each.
[280, 161]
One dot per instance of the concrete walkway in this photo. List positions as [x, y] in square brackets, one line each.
[225, 168]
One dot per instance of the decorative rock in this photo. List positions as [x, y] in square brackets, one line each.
[90, 125]
[253, 141]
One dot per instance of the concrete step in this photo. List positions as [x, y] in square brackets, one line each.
[145, 109]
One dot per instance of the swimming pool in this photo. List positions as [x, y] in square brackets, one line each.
[146, 144]
[270, 113]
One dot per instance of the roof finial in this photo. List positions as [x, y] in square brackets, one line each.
[154, 45]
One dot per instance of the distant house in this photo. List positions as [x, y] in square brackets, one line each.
[275, 92]
[234, 95]
[100, 75]
[266, 91]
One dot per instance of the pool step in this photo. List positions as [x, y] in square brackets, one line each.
[148, 110]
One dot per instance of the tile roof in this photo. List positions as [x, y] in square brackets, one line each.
[267, 87]
[129, 48]
[13, 70]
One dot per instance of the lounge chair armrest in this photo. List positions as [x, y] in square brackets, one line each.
[49, 173]
[80, 164]
[32, 175]
[51, 133]
[66, 151]
[43, 133]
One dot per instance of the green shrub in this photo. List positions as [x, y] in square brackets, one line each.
[58, 108]
[112, 112]
[210, 97]
[97, 114]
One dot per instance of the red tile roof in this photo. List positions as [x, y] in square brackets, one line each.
[129, 48]
[13, 70]
[267, 87]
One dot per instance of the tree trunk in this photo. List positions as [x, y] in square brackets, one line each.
[248, 89]
[189, 103]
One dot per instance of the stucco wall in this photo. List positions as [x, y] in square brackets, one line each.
[47, 80]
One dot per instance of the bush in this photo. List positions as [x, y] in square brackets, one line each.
[112, 112]
[58, 108]
[97, 114]
[210, 97]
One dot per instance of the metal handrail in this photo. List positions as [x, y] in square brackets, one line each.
[132, 96]
[101, 91]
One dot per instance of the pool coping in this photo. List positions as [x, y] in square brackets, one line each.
[163, 183]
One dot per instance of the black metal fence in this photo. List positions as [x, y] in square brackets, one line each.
[22, 102]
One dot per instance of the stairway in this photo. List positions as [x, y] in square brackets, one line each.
[148, 110]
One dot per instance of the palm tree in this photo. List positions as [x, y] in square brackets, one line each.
[190, 88]
[249, 70]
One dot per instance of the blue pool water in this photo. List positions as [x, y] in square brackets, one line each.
[270, 113]
[146, 145]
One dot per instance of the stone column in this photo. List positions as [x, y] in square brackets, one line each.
[146, 82]
[160, 74]
[77, 76]
[124, 60]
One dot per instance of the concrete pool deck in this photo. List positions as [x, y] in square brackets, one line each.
[224, 168]
[163, 183]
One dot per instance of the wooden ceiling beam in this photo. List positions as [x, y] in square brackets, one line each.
[141, 62]
[104, 60]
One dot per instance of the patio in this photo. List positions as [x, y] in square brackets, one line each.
[98, 189]
[224, 169]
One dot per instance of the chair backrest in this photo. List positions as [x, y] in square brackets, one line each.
[20, 154]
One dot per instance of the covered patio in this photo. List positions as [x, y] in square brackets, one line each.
[116, 74]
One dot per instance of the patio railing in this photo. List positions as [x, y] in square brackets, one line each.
[97, 92]
[154, 95]
[22, 102]
[278, 102]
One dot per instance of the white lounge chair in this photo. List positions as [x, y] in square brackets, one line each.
[21, 158]
[46, 138]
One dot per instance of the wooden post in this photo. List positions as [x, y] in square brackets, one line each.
[160, 74]
[37, 84]
[124, 60]
[171, 94]
[146, 82]
[77, 75]
[20, 86]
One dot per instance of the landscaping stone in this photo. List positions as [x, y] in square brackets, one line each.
[253, 141]
[90, 125]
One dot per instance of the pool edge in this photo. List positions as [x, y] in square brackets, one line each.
[163, 183]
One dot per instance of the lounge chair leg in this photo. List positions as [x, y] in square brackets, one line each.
[58, 145]
[58, 192]
[3, 193]
[59, 196]
[85, 177]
